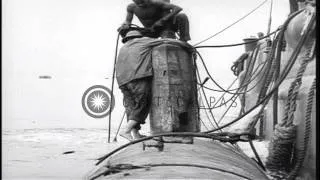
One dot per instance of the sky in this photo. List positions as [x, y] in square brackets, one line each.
[74, 42]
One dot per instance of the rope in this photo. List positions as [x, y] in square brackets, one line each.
[280, 154]
[302, 153]
[232, 23]
[235, 96]
[217, 84]
[201, 87]
[249, 70]
[273, 63]
[274, 58]
[197, 72]
[115, 137]
[270, 67]
[206, 112]
[113, 77]
[227, 110]
[207, 71]
[253, 77]
[237, 44]
[204, 123]
[285, 72]
[276, 77]
[257, 155]
[237, 66]
[282, 144]
[294, 89]
[267, 77]
[225, 92]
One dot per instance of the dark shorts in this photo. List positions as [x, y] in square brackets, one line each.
[137, 99]
[179, 23]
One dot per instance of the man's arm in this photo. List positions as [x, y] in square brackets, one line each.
[128, 19]
[129, 16]
[173, 9]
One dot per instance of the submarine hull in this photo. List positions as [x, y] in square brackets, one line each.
[204, 159]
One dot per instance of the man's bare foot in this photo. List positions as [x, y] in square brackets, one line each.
[136, 134]
[126, 135]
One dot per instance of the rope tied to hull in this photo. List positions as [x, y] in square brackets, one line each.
[282, 146]
[302, 152]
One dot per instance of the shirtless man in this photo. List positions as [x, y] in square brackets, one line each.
[157, 16]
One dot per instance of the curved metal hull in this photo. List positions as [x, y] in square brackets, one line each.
[201, 160]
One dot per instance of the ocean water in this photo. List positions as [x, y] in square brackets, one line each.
[39, 154]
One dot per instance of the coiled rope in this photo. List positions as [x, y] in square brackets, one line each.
[279, 161]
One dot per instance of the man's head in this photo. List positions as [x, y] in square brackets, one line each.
[141, 3]
[131, 35]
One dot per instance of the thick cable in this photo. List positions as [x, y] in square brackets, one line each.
[237, 44]
[280, 158]
[269, 69]
[254, 76]
[276, 77]
[250, 66]
[235, 96]
[201, 85]
[256, 154]
[207, 71]
[236, 89]
[204, 124]
[286, 71]
[302, 153]
[205, 97]
[217, 84]
[120, 124]
[224, 114]
[206, 111]
[112, 85]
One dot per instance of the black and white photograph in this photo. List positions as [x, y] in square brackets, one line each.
[158, 89]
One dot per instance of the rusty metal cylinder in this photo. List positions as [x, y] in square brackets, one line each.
[174, 92]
